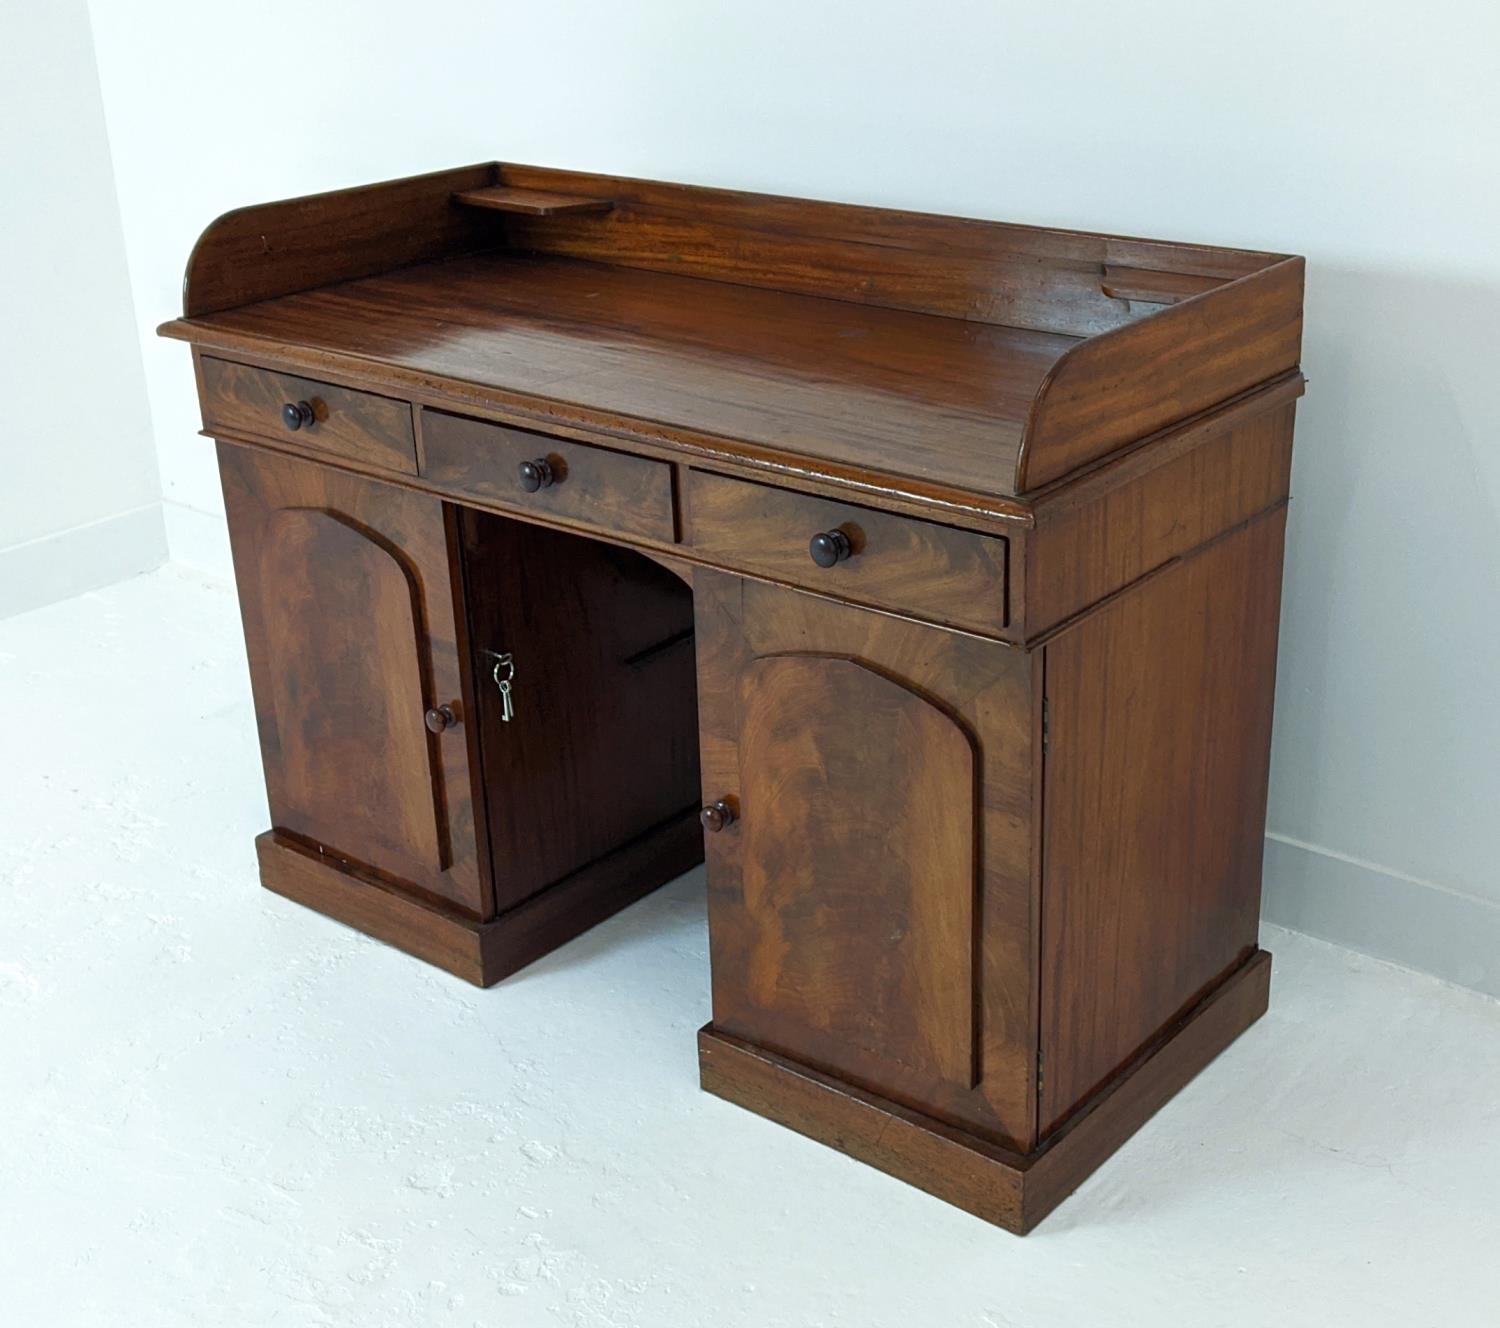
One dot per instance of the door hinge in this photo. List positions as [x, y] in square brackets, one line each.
[1046, 725]
[1040, 1074]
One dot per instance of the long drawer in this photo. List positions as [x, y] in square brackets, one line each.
[337, 421]
[541, 475]
[949, 576]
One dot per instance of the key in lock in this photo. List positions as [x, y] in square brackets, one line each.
[504, 674]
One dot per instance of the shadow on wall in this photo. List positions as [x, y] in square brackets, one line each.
[1387, 722]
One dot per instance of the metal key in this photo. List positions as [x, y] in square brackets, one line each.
[504, 664]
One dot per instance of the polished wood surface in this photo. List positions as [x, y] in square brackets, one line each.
[449, 938]
[592, 485]
[1093, 403]
[1142, 517]
[347, 598]
[1159, 722]
[258, 253]
[924, 730]
[1141, 286]
[530, 202]
[359, 426]
[875, 852]
[483, 953]
[1010, 1189]
[952, 267]
[954, 577]
[981, 358]
[647, 355]
[921, 571]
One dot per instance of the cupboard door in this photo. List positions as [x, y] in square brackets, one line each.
[870, 902]
[349, 616]
[857, 802]
[599, 746]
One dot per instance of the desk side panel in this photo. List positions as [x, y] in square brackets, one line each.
[1159, 721]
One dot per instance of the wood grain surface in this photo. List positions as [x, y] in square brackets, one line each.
[601, 746]
[609, 490]
[359, 426]
[1159, 748]
[270, 249]
[854, 827]
[1012, 1190]
[1032, 277]
[954, 577]
[983, 798]
[1129, 382]
[347, 595]
[660, 355]
[859, 871]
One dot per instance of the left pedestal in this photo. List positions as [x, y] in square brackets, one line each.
[406, 800]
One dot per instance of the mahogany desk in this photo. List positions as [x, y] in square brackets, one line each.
[925, 569]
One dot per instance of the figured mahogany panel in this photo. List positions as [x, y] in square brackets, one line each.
[957, 577]
[857, 800]
[611, 490]
[361, 426]
[357, 772]
[602, 743]
[870, 910]
[1159, 714]
[348, 606]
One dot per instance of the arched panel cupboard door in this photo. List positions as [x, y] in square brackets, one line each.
[349, 614]
[869, 861]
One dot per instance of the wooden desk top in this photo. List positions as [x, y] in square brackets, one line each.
[827, 380]
[975, 363]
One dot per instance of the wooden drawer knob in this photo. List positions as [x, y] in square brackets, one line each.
[297, 415]
[829, 547]
[716, 816]
[440, 718]
[536, 474]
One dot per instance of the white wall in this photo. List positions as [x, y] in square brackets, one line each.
[78, 497]
[1361, 134]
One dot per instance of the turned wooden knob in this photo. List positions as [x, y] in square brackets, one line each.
[716, 816]
[296, 415]
[829, 547]
[536, 474]
[440, 718]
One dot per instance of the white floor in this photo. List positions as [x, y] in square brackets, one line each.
[217, 1108]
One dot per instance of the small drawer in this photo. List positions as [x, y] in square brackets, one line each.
[948, 576]
[532, 473]
[337, 421]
